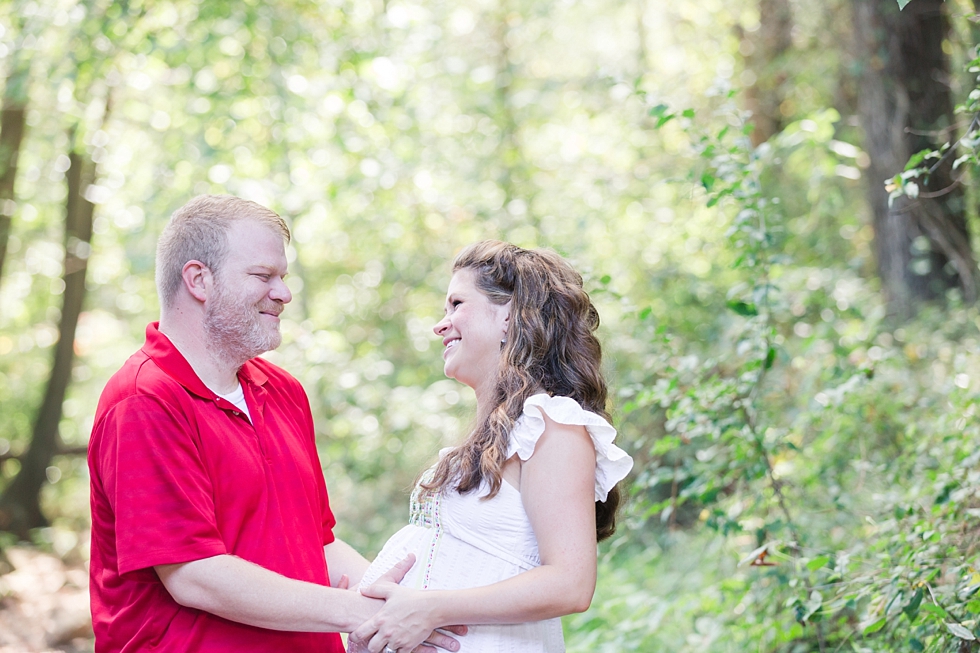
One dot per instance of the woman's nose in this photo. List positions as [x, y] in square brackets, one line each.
[441, 326]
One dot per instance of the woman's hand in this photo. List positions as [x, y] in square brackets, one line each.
[407, 622]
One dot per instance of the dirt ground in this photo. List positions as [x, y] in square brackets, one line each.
[44, 604]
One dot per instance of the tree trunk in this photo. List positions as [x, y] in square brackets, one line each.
[922, 244]
[974, 30]
[20, 508]
[12, 122]
[766, 57]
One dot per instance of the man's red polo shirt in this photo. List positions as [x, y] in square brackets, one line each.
[179, 474]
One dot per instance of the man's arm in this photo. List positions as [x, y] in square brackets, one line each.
[244, 592]
[344, 560]
[241, 591]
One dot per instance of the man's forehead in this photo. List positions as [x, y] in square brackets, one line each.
[256, 249]
[251, 227]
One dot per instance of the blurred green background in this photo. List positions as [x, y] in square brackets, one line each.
[801, 414]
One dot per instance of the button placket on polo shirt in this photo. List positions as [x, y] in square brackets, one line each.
[257, 405]
[229, 407]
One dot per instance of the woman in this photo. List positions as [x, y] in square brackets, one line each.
[504, 526]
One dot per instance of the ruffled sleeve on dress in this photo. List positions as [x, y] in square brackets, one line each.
[612, 463]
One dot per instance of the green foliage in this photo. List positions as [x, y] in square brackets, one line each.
[821, 464]
[388, 136]
[806, 475]
[965, 148]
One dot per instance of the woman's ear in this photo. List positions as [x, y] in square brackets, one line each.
[197, 279]
[505, 323]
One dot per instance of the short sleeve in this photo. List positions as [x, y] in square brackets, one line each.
[157, 486]
[612, 463]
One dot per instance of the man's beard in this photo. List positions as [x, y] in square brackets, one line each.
[234, 331]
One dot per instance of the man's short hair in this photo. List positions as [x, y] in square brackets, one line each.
[198, 231]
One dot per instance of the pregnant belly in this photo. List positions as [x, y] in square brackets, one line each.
[444, 562]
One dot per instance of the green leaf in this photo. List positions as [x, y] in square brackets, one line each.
[812, 606]
[688, 113]
[934, 609]
[918, 157]
[708, 181]
[770, 358]
[876, 626]
[911, 609]
[743, 308]
[819, 561]
[961, 160]
[663, 115]
[960, 631]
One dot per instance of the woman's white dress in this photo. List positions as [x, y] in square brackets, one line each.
[461, 541]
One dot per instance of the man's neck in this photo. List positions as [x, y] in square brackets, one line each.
[215, 371]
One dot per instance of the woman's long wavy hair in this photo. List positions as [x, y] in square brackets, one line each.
[550, 346]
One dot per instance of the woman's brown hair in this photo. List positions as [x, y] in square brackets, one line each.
[550, 346]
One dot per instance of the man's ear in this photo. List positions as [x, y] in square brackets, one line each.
[198, 280]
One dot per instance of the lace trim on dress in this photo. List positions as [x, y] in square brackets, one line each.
[424, 511]
[612, 463]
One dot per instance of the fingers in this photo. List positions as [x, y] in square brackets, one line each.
[456, 630]
[380, 642]
[378, 591]
[443, 641]
[364, 634]
[396, 573]
[344, 582]
[356, 646]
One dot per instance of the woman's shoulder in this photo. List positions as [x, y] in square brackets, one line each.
[563, 410]
[612, 463]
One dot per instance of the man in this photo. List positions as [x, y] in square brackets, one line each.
[211, 527]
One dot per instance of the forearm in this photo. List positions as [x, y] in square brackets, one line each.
[240, 591]
[541, 593]
[344, 560]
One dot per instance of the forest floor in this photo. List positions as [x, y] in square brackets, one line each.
[44, 604]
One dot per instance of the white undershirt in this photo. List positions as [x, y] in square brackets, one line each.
[237, 397]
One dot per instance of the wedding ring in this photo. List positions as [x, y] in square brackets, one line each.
[388, 649]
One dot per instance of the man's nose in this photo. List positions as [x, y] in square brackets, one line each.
[280, 292]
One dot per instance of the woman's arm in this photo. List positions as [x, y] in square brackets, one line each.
[558, 491]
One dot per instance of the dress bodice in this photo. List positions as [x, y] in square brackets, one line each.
[498, 526]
